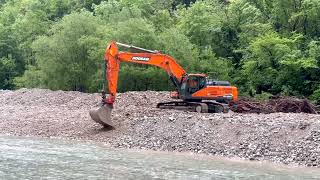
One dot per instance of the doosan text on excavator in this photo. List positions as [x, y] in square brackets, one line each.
[195, 91]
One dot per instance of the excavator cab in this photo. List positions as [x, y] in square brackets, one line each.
[195, 83]
[197, 87]
[191, 84]
[201, 94]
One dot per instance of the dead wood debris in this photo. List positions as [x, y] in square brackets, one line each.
[279, 104]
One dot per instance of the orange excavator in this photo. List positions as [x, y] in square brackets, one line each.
[196, 91]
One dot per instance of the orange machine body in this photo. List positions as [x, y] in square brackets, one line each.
[190, 87]
[217, 92]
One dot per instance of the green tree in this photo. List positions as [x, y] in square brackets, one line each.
[275, 64]
[177, 45]
[7, 72]
[201, 22]
[216, 68]
[69, 56]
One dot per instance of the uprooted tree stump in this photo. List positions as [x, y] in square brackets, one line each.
[279, 104]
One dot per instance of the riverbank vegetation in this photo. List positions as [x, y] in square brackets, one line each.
[262, 46]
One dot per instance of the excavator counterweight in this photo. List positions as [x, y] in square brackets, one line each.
[197, 92]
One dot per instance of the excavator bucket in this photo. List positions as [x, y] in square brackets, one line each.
[102, 115]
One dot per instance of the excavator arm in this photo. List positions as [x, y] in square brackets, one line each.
[113, 57]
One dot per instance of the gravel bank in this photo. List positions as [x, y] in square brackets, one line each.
[278, 137]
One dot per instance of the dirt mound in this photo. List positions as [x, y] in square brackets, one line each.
[279, 104]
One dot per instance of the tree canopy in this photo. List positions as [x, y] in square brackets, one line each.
[261, 46]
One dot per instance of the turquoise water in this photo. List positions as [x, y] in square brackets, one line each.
[36, 158]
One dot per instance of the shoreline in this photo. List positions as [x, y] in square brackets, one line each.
[189, 155]
[284, 138]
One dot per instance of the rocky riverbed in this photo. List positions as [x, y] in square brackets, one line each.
[278, 137]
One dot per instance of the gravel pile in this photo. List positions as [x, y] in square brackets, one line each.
[279, 137]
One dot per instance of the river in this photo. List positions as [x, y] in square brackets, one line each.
[40, 158]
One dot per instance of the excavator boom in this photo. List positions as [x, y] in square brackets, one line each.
[149, 57]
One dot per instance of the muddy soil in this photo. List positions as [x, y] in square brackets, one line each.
[289, 138]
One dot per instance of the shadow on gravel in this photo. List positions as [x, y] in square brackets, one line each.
[107, 128]
[104, 129]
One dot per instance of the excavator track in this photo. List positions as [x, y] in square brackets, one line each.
[201, 107]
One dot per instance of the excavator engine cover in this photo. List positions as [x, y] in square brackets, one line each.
[102, 115]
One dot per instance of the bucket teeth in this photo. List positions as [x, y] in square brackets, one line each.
[102, 115]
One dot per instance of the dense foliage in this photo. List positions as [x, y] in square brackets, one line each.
[262, 46]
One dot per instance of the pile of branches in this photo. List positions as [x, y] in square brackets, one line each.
[276, 104]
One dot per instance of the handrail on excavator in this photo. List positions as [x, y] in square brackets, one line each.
[137, 48]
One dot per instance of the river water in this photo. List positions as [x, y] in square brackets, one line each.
[37, 158]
